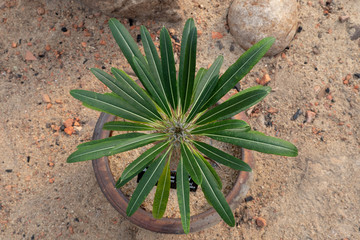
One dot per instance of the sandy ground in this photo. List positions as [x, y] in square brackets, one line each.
[313, 196]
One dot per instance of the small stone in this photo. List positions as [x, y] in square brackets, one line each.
[29, 56]
[46, 98]
[47, 48]
[199, 33]
[216, 35]
[58, 101]
[68, 123]
[343, 18]
[249, 199]
[83, 44]
[69, 130]
[87, 33]
[102, 42]
[252, 20]
[48, 106]
[310, 116]
[296, 114]
[13, 45]
[264, 80]
[261, 222]
[272, 110]
[51, 180]
[41, 11]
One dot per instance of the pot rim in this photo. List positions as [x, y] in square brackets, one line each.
[145, 219]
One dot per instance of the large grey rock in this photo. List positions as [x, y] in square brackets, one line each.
[168, 10]
[252, 20]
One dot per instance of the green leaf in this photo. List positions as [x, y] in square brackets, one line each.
[222, 157]
[151, 86]
[233, 106]
[113, 138]
[126, 43]
[214, 195]
[258, 142]
[146, 183]
[153, 59]
[182, 190]
[99, 148]
[136, 166]
[189, 25]
[238, 70]
[162, 192]
[168, 67]
[233, 124]
[199, 76]
[126, 126]
[109, 104]
[205, 87]
[121, 87]
[211, 169]
[186, 82]
[191, 164]
[137, 142]
[133, 89]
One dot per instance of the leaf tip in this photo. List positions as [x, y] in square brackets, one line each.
[118, 183]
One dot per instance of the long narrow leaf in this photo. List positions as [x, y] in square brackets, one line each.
[189, 25]
[132, 88]
[214, 195]
[198, 77]
[153, 59]
[162, 192]
[233, 124]
[119, 87]
[136, 166]
[238, 70]
[205, 87]
[151, 86]
[211, 169]
[137, 142]
[191, 164]
[126, 43]
[222, 157]
[231, 107]
[258, 142]
[126, 126]
[168, 68]
[186, 83]
[113, 138]
[146, 183]
[182, 190]
[103, 147]
[110, 104]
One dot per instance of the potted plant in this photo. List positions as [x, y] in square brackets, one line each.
[173, 113]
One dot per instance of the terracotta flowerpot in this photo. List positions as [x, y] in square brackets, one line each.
[145, 219]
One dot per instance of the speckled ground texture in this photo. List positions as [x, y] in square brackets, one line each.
[313, 196]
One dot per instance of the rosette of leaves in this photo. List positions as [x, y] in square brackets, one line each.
[170, 112]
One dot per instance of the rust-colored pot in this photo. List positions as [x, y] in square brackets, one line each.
[145, 219]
